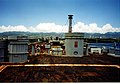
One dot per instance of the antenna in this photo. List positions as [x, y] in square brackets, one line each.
[70, 23]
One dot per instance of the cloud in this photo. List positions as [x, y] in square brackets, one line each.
[13, 28]
[93, 28]
[52, 27]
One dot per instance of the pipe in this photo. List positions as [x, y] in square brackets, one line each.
[70, 23]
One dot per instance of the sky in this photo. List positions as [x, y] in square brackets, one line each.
[92, 16]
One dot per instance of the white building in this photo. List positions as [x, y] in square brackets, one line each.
[95, 50]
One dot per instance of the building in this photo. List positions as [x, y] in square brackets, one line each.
[18, 48]
[3, 51]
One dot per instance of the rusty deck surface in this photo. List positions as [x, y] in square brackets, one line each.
[60, 74]
[47, 59]
[43, 68]
[93, 59]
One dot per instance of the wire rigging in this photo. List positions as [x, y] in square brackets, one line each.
[61, 34]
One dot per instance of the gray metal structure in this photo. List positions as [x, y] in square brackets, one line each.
[18, 49]
[3, 51]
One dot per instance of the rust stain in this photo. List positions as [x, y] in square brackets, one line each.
[89, 74]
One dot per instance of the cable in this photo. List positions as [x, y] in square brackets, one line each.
[73, 22]
[60, 35]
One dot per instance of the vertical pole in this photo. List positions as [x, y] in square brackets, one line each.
[70, 23]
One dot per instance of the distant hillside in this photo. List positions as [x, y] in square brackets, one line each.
[38, 35]
[106, 35]
[30, 34]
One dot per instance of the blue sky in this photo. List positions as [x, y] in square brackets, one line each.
[33, 12]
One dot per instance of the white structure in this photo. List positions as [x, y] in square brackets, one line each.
[18, 49]
[95, 50]
[56, 50]
[33, 50]
[74, 44]
[47, 47]
[85, 50]
[73, 41]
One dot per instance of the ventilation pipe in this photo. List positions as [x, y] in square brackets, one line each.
[70, 23]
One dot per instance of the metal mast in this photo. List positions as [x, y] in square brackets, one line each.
[70, 23]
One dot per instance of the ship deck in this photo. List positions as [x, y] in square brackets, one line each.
[46, 68]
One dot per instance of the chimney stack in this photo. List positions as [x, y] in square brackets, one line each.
[70, 23]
